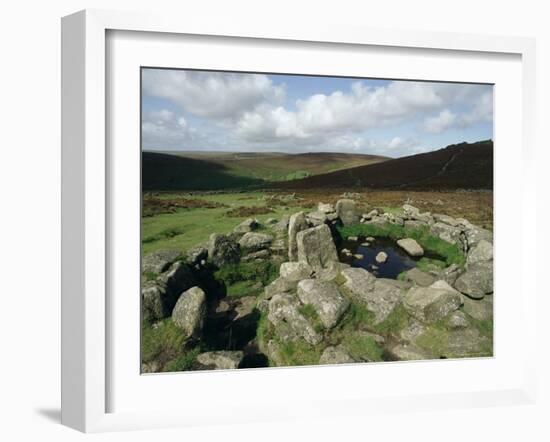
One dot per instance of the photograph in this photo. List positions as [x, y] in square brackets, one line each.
[301, 220]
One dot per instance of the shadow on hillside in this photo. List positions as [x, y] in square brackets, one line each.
[162, 171]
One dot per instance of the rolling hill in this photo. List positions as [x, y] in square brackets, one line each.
[464, 165]
[224, 170]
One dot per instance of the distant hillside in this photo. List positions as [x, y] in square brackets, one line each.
[465, 165]
[223, 170]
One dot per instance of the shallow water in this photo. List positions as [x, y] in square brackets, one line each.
[398, 260]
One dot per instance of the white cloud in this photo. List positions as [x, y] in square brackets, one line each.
[165, 129]
[211, 94]
[444, 120]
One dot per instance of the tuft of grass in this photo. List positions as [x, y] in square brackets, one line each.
[163, 235]
[163, 342]
[247, 278]
[450, 252]
[299, 353]
[183, 362]
[397, 320]
[308, 311]
[426, 264]
[362, 348]
[356, 318]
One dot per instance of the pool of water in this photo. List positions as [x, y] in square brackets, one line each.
[364, 255]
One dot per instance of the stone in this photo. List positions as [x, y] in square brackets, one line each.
[316, 247]
[450, 274]
[381, 257]
[430, 304]
[353, 238]
[419, 277]
[325, 298]
[409, 352]
[220, 360]
[257, 256]
[378, 296]
[373, 213]
[446, 232]
[358, 256]
[270, 221]
[196, 255]
[295, 271]
[477, 280]
[413, 224]
[347, 211]
[252, 241]
[159, 261]
[190, 311]
[480, 309]
[412, 331]
[481, 252]
[296, 224]
[457, 320]
[475, 234]
[331, 272]
[290, 324]
[446, 219]
[282, 225]
[467, 343]
[177, 279]
[410, 246]
[279, 285]
[325, 208]
[244, 306]
[154, 305]
[246, 226]
[223, 250]
[335, 355]
[316, 218]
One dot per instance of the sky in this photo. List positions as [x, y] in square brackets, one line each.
[189, 110]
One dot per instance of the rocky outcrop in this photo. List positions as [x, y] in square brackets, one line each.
[410, 246]
[430, 304]
[222, 250]
[347, 211]
[159, 261]
[296, 224]
[477, 281]
[315, 247]
[246, 226]
[284, 314]
[252, 242]
[419, 277]
[190, 311]
[481, 252]
[154, 305]
[325, 298]
[335, 355]
[220, 360]
[178, 278]
[481, 309]
[295, 271]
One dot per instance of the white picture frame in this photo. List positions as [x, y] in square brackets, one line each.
[86, 210]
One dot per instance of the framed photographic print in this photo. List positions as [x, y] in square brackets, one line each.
[319, 216]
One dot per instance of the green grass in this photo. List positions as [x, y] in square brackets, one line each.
[196, 225]
[308, 311]
[362, 348]
[184, 361]
[299, 353]
[247, 278]
[450, 252]
[164, 343]
[397, 320]
[426, 264]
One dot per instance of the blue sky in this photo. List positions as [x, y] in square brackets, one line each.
[220, 111]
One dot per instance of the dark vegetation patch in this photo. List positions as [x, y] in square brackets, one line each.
[155, 205]
[243, 211]
[165, 234]
[247, 278]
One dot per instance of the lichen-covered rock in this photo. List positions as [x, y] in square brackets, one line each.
[450, 274]
[220, 360]
[325, 298]
[282, 225]
[331, 272]
[223, 250]
[445, 219]
[347, 211]
[248, 225]
[411, 246]
[480, 309]
[153, 301]
[252, 242]
[410, 352]
[295, 271]
[290, 324]
[260, 255]
[316, 247]
[335, 355]
[377, 295]
[475, 234]
[196, 255]
[190, 311]
[447, 232]
[316, 218]
[477, 281]
[457, 320]
[178, 278]
[430, 304]
[419, 277]
[483, 251]
[159, 261]
[325, 208]
[296, 224]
